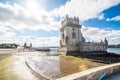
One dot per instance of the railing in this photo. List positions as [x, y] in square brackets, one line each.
[97, 73]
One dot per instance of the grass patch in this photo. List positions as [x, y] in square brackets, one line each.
[5, 65]
[70, 64]
[3, 56]
[4, 60]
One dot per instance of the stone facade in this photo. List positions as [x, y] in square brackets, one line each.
[73, 40]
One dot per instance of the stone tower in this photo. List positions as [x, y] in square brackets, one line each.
[70, 35]
[106, 43]
[72, 39]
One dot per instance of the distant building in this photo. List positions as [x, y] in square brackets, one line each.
[73, 40]
[8, 45]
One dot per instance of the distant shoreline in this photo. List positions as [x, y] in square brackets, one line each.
[114, 46]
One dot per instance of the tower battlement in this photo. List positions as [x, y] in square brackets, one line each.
[70, 21]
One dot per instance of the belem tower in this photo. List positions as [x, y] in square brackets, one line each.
[73, 40]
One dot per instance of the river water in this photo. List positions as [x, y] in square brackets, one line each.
[115, 76]
[114, 50]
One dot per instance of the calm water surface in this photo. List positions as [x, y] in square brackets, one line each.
[117, 75]
[114, 50]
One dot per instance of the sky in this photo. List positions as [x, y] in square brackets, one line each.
[39, 21]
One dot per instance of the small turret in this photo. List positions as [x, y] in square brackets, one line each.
[66, 15]
[106, 42]
[83, 39]
[102, 42]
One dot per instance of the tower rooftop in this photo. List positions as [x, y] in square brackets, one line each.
[71, 22]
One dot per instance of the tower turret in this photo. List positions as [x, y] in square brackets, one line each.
[106, 42]
[71, 34]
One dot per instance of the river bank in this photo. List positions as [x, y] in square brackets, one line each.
[50, 65]
[65, 64]
[107, 57]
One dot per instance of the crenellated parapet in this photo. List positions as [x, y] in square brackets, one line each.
[70, 21]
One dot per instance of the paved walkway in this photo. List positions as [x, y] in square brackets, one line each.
[19, 70]
[8, 51]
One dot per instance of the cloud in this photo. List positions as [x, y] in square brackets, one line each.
[97, 34]
[38, 41]
[116, 18]
[6, 12]
[35, 17]
[85, 9]
[6, 35]
[20, 18]
[9, 36]
[5, 32]
[101, 16]
[93, 34]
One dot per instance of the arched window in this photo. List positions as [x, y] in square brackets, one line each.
[67, 40]
[63, 36]
[60, 43]
[73, 33]
[73, 29]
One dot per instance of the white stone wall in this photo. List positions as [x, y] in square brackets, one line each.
[72, 43]
[72, 48]
[78, 42]
[94, 46]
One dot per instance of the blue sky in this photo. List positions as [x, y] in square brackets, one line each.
[109, 13]
[39, 21]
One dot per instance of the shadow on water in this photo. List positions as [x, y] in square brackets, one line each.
[106, 58]
[102, 57]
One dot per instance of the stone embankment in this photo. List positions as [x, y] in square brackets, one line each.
[35, 72]
[94, 74]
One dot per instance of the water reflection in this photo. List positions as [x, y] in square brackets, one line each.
[59, 66]
[115, 76]
[47, 65]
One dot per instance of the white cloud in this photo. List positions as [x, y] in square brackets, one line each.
[38, 41]
[97, 34]
[6, 35]
[85, 9]
[94, 34]
[10, 37]
[116, 18]
[101, 16]
[5, 32]
[35, 17]
[7, 12]
[20, 18]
